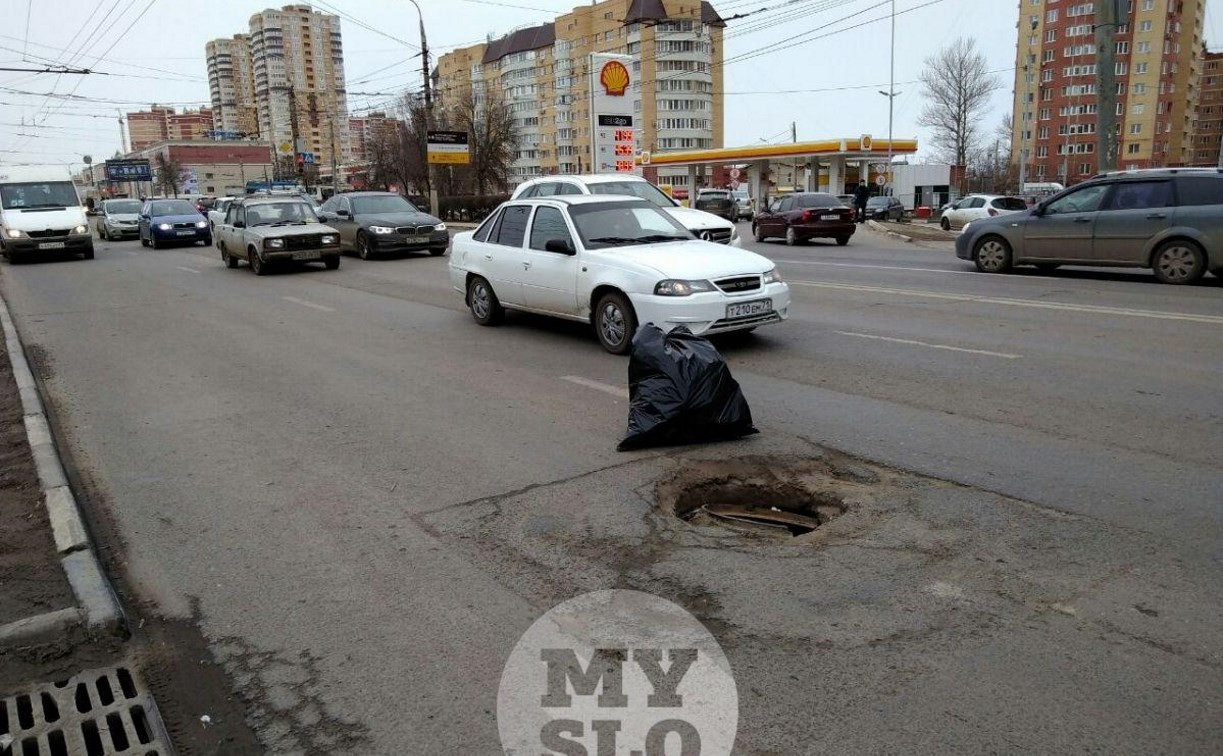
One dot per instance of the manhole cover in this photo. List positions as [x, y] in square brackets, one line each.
[95, 713]
[785, 496]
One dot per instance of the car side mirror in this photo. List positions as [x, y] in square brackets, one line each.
[560, 246]
[342, 213]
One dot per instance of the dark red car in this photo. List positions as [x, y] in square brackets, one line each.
[805, 215]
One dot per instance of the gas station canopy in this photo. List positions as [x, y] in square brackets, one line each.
[854, 148]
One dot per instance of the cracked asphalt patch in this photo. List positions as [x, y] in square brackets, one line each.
[997, 623]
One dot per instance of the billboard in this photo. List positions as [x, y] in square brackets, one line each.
[616, 137]
[448, 147]
[128, 170]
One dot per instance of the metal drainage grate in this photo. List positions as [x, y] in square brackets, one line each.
[96, 713]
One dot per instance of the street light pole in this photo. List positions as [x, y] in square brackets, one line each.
[424, 71]
[891, 93]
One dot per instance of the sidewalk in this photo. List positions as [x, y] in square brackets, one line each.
[917, 232]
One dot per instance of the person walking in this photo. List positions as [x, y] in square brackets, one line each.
[861, 195]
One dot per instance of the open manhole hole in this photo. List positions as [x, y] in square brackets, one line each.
[96, 713]
[785, 508]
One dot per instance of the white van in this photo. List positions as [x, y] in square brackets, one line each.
[40, 214]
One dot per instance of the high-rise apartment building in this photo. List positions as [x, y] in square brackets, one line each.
[296, 64]
[161, 124]
[365, 131]
[1158, 59]
[541, 72]
[231, 82]
[1208, 132]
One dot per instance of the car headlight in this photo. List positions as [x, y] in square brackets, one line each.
[273, 243]
[734, 233]
[773, 277]
[80, 230]
[676, 288]
[966, 225]
[13, 233]
[201, 224]
[164, 226]
[329, 239]
[440, 227]
[382, 229]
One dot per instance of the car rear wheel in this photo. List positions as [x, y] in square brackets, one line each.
[1179, 262]
[842, 241]
[485, 307]
[945, 224]
[615, 322]
[230, 260]
[363, 250]
[992, 255]
[791, 237]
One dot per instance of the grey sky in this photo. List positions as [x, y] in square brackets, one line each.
[170, 37]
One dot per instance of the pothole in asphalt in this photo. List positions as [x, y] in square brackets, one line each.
[781, 496]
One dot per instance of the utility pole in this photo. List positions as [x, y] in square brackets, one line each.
[335, 185]
[891, 93]
[122, 132]
[434, 204]
[794, 132]
[293, 131]
[1107, 14]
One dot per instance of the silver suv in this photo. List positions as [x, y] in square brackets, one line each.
[1166, 219]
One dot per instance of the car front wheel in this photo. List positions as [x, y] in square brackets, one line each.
[363, 250]
[485, 307]
[258, 266]
[615, 322]
[992, 255]
[758, 233]
[332, 263]
[1179, 262]
[945, 224]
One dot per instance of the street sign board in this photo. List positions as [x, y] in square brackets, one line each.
[129, 170]
[448, 147]
[881, 179]
[616, 140]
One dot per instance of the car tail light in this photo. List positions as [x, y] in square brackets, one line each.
[806, 216]
[992, 212]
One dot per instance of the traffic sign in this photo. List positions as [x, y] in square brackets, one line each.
[734, 184]
[735, 174]
[285, 148]
[881, 179]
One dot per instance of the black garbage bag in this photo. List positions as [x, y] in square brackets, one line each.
[681, 392]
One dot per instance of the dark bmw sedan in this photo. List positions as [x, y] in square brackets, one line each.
[805, 215]
[171, 221]
[376, 223]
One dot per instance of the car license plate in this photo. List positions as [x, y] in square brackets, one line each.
[310, 254]
[186, 233]
[51, 245]
[748, 309]
[830, 217]
[418, 240]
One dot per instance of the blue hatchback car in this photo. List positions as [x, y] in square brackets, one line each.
[168, 221]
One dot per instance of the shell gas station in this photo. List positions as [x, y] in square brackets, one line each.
[835, 166]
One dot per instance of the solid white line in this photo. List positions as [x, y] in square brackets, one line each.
[891, 267]
[1093, 309]
[931, 346]
[304, 303]
[606, 388]
[189, 270]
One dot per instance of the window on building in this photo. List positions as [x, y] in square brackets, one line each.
[1139, 68]
[1135, 128]
[1123, 48]
[1132, 148]
[1144, 26]
[1051, 35]
[1051, 16]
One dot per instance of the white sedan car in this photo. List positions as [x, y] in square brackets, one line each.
[703, 225]
[614, 262]
[977, 206]
[216, 214]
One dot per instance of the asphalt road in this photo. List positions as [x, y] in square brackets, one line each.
[364, 499]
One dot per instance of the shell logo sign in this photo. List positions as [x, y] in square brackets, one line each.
[865, 143]
[614, 78]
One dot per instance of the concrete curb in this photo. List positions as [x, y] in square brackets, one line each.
[97, 605]
[876, 225]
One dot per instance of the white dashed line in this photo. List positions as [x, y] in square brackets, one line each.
[189, 270]
[1065, 306]
[928, 345]
[131, 252]
[311, 305]
[607, 388]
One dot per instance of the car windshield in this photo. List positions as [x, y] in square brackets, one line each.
[294, 213]
[222, 205]
[815, 200]
[877, 202]
[34, 194]
[122, 207]
[173, 207]
[616, 224]
[713, 195]
[382, 203]
[643, 189]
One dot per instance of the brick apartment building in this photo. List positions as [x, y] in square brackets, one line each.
[1208, 131]
[1158, 64]
[364, 131]
[160, 124]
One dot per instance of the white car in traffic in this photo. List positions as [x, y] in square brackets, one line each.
[703, 225]
[615, 262]
[216, 214]
[976, 206]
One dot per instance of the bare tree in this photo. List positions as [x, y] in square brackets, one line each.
[168, 173]
[957, 85]
[493, 138]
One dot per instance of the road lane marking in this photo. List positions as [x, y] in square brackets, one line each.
[131, 252]
[189, 270]
[607, 388]
[928, 345]
[890, 267]
[1007, 301]
[304, 303]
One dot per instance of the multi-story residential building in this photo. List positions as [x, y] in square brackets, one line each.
[1158, 59]
[159, 124]
[231, 83]
[1208, 132]
[296, 64]
[542, 72]
[366, 130]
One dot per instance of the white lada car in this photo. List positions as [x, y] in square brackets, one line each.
[614, 262]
